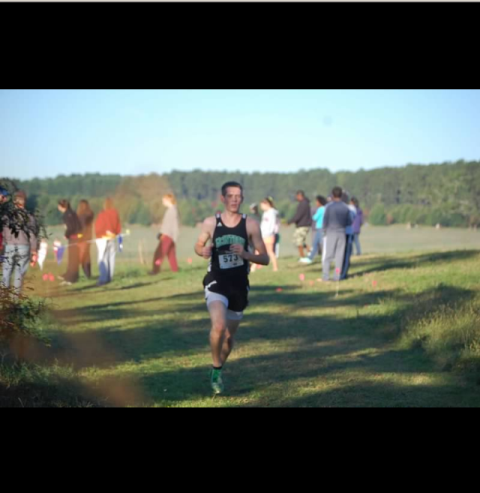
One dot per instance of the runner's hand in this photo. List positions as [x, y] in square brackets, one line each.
[207, 252]
[237, 249]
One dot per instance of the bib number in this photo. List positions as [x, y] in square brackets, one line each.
[230, 261]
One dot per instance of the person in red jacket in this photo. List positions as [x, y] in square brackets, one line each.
[107, 228]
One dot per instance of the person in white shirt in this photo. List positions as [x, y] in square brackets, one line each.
[269, 228]
[168, 236]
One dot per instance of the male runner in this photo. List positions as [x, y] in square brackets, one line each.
[226, 283]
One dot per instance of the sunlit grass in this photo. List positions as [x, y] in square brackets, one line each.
[403, 331]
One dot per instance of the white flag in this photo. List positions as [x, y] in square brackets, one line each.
[42, 254]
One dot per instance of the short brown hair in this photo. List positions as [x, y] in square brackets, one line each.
[337, 193]
[231, 184]
[64, 204]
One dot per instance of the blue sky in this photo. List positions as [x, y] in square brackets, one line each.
[44, 133]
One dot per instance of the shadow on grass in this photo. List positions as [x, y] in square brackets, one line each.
[386, 263]
[339, 338]
[272, 381]
[300, 346]
[55, 291]
[115, 287]
[32, 389]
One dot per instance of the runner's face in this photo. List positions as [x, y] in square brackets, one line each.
[233, 199]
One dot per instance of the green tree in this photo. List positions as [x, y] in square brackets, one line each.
[378, 216]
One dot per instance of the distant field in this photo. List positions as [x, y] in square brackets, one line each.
[374, 240]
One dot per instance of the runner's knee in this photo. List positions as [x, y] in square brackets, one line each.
[219, 327]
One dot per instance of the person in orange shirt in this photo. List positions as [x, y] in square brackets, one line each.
[107, 228]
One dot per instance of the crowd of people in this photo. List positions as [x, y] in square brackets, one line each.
[334, 232]
[335, 223]
[79, 227]
[19, 243]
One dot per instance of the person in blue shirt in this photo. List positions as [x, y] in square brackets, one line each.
[349, 232]
[357, 225]
[318, 218]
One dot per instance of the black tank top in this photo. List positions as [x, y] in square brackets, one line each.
[224, 262]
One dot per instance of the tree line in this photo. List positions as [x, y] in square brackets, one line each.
[447, 193]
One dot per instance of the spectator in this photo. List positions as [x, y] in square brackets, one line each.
[168, 237]
[348, 237]
[20, 244]
[85, 216]
[269, 229]
[357, 225]
[318, 218]
[303, 221]
[73, 230]
[336, 219]
[107, 228]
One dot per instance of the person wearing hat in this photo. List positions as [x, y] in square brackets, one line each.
[3, 195]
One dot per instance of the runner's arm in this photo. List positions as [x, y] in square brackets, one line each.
[200, 247]
[253, 230]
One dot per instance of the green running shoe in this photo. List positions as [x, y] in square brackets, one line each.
[216, 381]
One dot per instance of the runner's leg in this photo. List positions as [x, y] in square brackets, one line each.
[228, 341]
[218, 316]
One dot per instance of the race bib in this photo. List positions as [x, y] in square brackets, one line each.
[230, 260]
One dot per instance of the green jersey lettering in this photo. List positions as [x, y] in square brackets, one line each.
[229, 240]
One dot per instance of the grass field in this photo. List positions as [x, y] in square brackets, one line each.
[393, 239]
[403, 331]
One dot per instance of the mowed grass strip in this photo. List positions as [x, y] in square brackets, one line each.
[403, 331]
